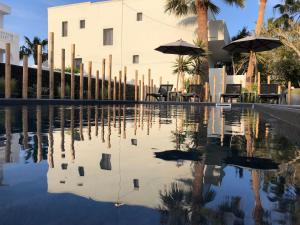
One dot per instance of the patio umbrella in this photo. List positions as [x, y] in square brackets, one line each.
[253, 44]
[180, 47]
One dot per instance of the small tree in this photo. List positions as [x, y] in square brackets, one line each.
[30, 48]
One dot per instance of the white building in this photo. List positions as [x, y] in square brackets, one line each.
[130, 30]
[8, 37]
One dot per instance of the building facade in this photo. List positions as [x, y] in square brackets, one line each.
[129, 30]
[8, 37]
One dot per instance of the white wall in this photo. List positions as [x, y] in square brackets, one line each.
[139, 38]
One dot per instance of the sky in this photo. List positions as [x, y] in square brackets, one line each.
[29, 17]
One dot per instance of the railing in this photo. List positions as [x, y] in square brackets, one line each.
[6, 36]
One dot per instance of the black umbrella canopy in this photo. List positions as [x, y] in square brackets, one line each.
[180, 47]
[253, 43]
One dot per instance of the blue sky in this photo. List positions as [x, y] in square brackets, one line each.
[29, 17]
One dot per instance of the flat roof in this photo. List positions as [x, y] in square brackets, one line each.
[83, 3]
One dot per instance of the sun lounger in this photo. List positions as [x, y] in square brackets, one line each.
[195, 91]
[163, 91]
[268, 92]
[232, 91]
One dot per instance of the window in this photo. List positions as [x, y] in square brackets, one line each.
[65, 29]
[82, 24]
[136, 59]
[108, 36]
[77, 62]
[139, 16]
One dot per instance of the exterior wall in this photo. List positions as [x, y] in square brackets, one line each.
[8, 37]
[138, 37]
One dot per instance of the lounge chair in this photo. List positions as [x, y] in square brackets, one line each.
[268, 92]
[195, 91]
[163, 91]
[232, 91]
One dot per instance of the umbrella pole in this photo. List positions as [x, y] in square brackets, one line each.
[177, 80]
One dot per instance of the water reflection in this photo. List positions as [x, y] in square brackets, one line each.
[246, 169]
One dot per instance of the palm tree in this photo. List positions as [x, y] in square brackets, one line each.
[259, 23]
[30, 48]
[200, 9]
[289, 11]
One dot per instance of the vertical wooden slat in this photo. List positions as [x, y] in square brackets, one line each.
[51, 65]
[223, 80]
[81, 84]
[115, 89]
[97, 85]
[143, 87]
[136, 85]
[289, 92]
[120, 85]
[269, 79]
[109, 77]
[206, 91]
[72, 71]
[140, 90]
[89, 80]
[149, 80]
[25, 77]
[125, 83]
[39, 72]
[160, 80]
[103, 80]
[62, 73]
[258, 83]
[151, 89]
[7, 71]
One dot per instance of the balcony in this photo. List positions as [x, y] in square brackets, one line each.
[13, 39]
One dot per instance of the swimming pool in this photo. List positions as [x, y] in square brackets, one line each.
[147, 164]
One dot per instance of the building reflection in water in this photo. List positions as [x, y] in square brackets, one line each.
[115, 169]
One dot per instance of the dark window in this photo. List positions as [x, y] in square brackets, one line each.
[108, 36]
[81, 171]
[65, 29]
[135, 59]
[139, 16]
[82, 24]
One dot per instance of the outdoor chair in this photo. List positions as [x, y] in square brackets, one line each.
[163, 91]
[195, 91]
[269, 92]
[232, 91]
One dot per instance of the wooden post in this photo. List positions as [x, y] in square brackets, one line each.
[125, 83]
[258, 83]
[215, 88]
[103, 80]
[160, 80]
[7, 71]
[269, 79]
[115, 89]
[62, 73]
[109, 77]
[25, 77]
[136, 86]
[81, 85]
[51, 65]
[223, 80]
[39, 72]
[206, 92]
[89, 80]
[97, 85]
[149, 80]
[140, 90]
[289, 92]
[72, 71]
[120, 85]
[143, 88]
[151, 89]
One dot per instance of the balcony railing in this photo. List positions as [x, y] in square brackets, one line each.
[6, 36]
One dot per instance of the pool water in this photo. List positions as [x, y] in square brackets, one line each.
[147, 164]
